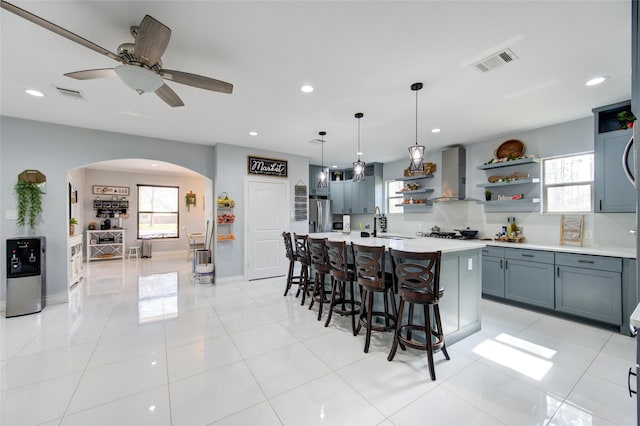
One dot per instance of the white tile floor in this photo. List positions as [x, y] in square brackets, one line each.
[143, 345]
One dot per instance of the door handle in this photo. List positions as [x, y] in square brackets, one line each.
[631, 391]
[625, 162]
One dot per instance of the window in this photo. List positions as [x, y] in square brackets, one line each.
[568, 183]
[157, 211]
[393, 199]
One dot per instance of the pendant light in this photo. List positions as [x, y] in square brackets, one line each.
[416, 152]
[322, 174]
[358, 166]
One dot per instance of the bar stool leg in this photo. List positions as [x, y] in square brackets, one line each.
[353, 307]
[440, 331]
[304, 277]
[332, 301]
[396, 337]
[369, 319]
[289, 278]
[427, 323]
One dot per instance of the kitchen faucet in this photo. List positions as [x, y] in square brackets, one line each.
[376, 212]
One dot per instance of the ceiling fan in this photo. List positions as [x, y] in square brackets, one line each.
[140, 64]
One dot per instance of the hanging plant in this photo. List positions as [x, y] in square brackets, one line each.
[29, 203]
[191, 200]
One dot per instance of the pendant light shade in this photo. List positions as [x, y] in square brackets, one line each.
[322, 174]
[416, 152]
[358, 166]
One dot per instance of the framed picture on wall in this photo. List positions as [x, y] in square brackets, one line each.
[110, 190]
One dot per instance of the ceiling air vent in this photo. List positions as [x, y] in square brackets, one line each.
[494, 61]
[75, 94]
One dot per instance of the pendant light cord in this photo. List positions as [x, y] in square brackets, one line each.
[416, 117]
[358, 139]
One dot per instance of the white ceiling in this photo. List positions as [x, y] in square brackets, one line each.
[360, 56]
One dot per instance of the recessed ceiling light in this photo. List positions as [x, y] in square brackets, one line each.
[335, 166]
[596, 80]
[253, 133]
[359, 153]
[435, 130]
[154, 165]
[34, 93]
[307, 88]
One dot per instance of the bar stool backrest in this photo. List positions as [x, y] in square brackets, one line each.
[288, 246]
[369, 265]
[302, 249]
[417, 273]
[338, 263]
[318, 254]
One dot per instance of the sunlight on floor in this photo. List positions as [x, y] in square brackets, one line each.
[513, 358]
[526, 345]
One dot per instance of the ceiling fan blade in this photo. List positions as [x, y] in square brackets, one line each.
[197, 81]
[58, 30]
[169, 96]
[91, 74]
[152, 40]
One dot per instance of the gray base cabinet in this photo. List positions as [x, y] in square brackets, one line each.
[591, 287]
[529, 282]
[493, 271]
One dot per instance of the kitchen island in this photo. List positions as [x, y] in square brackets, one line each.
[460, 276]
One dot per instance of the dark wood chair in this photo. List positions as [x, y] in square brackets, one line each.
[417, 280]
[372, 278]
[340, 301]
[320, 267]
[303, 256]
[293, 258]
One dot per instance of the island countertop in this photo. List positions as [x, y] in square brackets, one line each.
[415, 244]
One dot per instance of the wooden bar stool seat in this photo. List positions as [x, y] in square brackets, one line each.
[417, 280]
[293, 258]
[372, 278]
[340, 301]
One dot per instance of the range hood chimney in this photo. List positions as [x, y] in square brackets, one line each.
[454, 175]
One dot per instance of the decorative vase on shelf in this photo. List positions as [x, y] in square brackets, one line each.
[487, 195]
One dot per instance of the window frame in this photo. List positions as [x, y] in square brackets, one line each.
[393, 196]
[140, 212]
[545, 185]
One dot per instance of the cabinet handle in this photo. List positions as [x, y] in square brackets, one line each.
[506, 264]
[527, 255]
[600, 205]
[631, 373]
[584, 261]
[500, 263]
[558, 271]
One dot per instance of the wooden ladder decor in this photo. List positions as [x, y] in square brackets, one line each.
[571, 229]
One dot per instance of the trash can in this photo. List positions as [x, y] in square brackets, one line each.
[204, 270]
[146, 247]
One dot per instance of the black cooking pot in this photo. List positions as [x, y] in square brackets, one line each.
[467, 233]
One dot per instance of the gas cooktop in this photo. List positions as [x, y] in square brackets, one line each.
[449, 236]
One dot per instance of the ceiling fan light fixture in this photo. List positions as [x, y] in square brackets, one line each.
[416, 152]
[358, 166]
[139, 79]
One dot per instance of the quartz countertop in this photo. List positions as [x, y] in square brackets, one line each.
[628, 253]
[405, 243]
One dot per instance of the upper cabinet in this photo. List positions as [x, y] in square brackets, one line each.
[349, 197]
[614, 193]
[512, 185]
[313, 182]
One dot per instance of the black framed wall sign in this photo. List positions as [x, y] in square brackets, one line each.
[267, 166]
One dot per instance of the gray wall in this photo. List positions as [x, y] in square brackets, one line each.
[230, 173]
[58, 150]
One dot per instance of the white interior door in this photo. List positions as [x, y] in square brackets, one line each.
[266, 218]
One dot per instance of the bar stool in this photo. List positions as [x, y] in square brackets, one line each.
[341, 272]
[372, 278]
[291, 255]
[320, 267]
[302, 255]
[134, 251]
[417, 279]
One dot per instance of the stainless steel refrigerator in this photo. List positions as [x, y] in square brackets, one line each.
[320, 215]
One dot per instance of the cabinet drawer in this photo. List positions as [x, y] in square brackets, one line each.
[539, 256]
[603, 263]
[493, 251]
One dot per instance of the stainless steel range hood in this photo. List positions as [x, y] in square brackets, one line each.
[454, 175]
